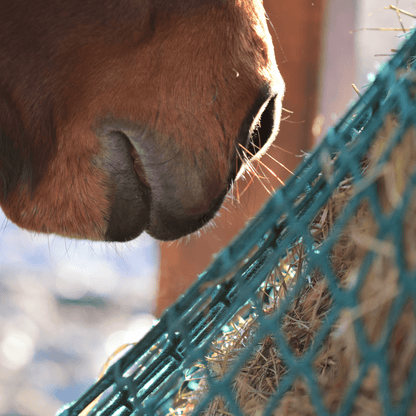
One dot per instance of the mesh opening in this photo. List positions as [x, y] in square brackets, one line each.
[311, 310]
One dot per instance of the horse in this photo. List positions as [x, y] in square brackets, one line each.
[121, 116]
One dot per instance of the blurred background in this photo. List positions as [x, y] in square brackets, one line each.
[66, 305]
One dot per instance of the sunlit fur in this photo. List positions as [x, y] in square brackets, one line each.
[81, 81]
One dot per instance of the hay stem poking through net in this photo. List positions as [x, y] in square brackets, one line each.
[338, 361]
[332, 328]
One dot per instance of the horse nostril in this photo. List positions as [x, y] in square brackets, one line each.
[258, 129]
[263, 130]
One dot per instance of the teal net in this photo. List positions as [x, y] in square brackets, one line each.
[311, 310]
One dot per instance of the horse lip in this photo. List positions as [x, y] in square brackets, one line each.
[129, 197]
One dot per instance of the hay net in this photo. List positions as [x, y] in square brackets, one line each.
[311, 310]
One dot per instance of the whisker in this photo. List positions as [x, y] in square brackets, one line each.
[280, 148]
[259, 161]
[279, 163]
[237, 189]
[252, 171]
[267, 179]
[250, 182]
[256, 173]
[265, 176]
[237, 157]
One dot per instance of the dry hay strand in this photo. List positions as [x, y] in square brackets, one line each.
[337, 364]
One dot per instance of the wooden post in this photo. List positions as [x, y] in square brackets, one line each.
[298, 25]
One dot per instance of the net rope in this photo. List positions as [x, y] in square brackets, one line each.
[276, 265]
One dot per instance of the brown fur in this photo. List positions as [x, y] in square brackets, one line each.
[81, 82]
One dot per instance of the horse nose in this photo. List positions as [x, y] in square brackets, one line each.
[186, 191]
[158, 185]
[260, 127]
[169, 186]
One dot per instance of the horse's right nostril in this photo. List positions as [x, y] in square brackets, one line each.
[264, 129]
[259, 128]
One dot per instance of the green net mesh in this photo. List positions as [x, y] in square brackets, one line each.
[311, 310]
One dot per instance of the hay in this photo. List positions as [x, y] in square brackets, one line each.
[338, 361]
